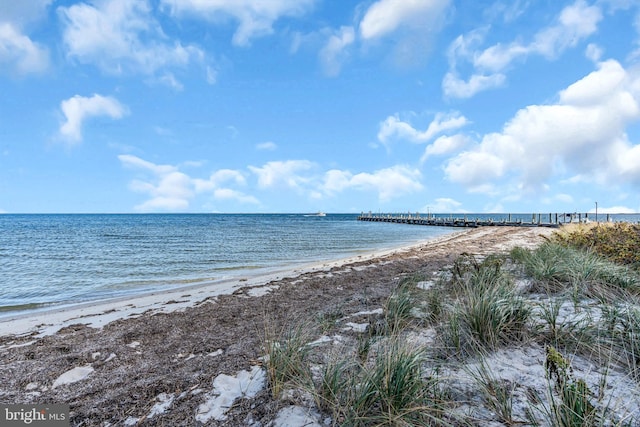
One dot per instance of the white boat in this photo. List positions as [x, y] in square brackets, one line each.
[317, 214]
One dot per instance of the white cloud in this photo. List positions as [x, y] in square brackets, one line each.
[121, 36]
[168, 79]
[334, 52]
[389, 183]
[454, 86]
[283, 173]
[593, 52]
[79, 108]
[613, 210]
[465, 46]
[405, 29]
[229, 194]
[138, 163]
[474, 168]
[565, 198]
[443, 145]
[583, 134]
[386, 16]
[255, 18]
[19, 55]
[498, 57]
[507, 11]
[169, 189]
[212, 75]
[394, 128]
[597, 86]
[218, 178]
[267, 146]
[336, 181]
[574, 24]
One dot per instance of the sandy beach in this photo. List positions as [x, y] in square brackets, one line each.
[162, 359]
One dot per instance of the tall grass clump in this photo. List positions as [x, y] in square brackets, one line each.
[391, 391]
[468, 271]
[557, 268]
[494, 316]
[286, 357]
[570, 402]
[619, 332]
[329, 319]
[487, 311]
[497, 394]
[334, 388]
[398, 308]
[577, 332]
[434, 300]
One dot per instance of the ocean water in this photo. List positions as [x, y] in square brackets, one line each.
[48, 260]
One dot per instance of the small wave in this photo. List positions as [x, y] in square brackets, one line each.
[20, 307]
[240, 267]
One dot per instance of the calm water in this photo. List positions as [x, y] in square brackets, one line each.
[62, 259]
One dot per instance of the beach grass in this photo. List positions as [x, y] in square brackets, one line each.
[286, 357]
[391, 390]
[485, 310]
[497, 394]
[441, 355]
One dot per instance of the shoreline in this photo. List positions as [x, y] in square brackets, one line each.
[97, 313]
[163, 365]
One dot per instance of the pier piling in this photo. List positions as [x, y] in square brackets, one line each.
[467, 220]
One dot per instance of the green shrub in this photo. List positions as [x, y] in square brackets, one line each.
[574, 407]
[619, 242]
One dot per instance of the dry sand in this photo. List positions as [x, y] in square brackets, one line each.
[182, 358]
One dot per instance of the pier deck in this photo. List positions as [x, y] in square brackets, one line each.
[536, 220]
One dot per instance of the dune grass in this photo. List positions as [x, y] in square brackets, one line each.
[497, 394]
[486, 311]
[286, 357]
[394, 389]
[574, 302]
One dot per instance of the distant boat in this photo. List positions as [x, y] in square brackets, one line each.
[317, 214]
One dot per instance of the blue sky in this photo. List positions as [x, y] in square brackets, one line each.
[319, 105]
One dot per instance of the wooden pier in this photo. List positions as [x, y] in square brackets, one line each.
[509, 220]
